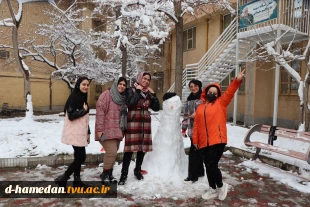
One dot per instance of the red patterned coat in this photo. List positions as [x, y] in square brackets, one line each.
[108, 117]
[138, 135]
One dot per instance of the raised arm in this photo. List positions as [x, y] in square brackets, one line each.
[226, 98]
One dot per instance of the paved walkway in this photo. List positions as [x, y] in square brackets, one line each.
[251, 189]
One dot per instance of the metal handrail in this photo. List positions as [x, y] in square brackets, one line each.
[213, 52]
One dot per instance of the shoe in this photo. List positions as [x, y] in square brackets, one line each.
[194, 180]
[138, 174]
[111, 178]
[78, 183]
[211, 193]
[201, 174]
[105, 177]
[188, 179]
[122, 179]
[223, 191]
[61, 180]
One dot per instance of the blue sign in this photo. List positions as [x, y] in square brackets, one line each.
[257, 11]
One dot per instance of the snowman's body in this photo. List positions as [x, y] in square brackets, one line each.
[168, 159]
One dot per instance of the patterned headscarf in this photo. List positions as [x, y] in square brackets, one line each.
[140, 80]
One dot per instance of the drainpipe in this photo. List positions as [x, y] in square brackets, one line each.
[237, 68]
[51, 93]
[276, 84]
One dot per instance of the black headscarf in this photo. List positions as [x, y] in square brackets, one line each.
[194, 96]
[77, 98]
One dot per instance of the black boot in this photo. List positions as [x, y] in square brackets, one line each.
[122, 180]
[123, 177]
[137, 172]
[78, 183]
[188, 178]
[61, 180]
[111, 178]
[139, 161]
[105, 177]
[201, 173]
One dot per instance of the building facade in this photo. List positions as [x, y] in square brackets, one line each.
[50, 93]
[210, 52]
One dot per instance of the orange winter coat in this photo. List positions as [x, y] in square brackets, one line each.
[210, 120]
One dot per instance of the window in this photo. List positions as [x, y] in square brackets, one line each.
[226, 21]
[289, 85]
[159, 82]
[131, 82]
[98, 25]
[189, 39]
[4, 54]
[225, 83]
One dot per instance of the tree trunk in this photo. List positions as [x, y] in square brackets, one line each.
[124, 61]
[123, 48]
[304, 108]
[20, 65]
[179, 49]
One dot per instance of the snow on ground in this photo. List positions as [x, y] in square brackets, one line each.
[42, 138]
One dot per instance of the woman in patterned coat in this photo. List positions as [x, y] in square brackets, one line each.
[111, 122]
[195, 162]
[138, 137]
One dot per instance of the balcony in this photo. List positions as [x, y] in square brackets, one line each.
[260, 20]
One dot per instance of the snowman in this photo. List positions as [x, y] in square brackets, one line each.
[168, 160]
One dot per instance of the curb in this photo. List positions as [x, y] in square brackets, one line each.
[62, 159]
[270, 161]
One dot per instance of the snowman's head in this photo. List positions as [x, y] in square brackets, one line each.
[172, 106]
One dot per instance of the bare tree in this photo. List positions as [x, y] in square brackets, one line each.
[166, 12]
[14, 23]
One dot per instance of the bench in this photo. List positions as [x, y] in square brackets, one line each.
[275, 132]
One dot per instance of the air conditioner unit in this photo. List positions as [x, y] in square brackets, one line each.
[4, 54]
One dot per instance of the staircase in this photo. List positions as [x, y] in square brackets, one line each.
[218, 62]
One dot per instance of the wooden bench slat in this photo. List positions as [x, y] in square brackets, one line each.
[289, 136]
[291, 153]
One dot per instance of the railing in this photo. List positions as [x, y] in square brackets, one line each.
[210, 56]
[218, 47]
[292, 13]
[188, 74]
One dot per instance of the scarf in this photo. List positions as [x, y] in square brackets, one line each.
[194, 96]
[144, 90]
[120, 99]
[77, 98]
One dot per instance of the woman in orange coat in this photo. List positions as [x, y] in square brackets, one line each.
[210, 132]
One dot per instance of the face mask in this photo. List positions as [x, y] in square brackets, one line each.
[211, 97]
